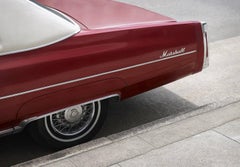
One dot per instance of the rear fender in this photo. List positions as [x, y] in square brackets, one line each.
[68, 97]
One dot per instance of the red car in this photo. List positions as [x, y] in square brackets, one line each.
[62, 61]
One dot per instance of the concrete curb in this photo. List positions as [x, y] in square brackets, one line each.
[104, 141]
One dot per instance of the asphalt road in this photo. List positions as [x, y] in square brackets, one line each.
[223, 20]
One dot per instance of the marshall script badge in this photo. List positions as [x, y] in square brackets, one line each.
[167, 53]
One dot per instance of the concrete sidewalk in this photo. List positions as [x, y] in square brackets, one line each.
[209, 136]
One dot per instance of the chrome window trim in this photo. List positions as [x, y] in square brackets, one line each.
[96, 75]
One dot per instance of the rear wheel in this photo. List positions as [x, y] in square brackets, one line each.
[71, 126]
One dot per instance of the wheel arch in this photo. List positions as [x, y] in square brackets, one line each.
[42, 106]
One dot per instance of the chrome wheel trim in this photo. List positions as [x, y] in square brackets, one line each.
[77, 137]
[70, 118]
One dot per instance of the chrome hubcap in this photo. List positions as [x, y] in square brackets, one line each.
[73, 120]
[73, 114]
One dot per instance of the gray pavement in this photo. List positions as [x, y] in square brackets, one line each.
[207, 137]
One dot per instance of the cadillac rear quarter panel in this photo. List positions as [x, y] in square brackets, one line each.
[97, 63]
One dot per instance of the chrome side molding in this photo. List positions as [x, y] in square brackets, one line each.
[6, 132]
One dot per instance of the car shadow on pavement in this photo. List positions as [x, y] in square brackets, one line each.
[144, 108]
[135, 111]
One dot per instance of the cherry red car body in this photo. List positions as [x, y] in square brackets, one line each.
[60, 89]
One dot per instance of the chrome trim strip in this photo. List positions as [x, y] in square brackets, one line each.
[96, 75]
[6, 132]
[205, 45]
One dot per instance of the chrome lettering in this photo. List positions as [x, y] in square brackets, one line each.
[166, 53]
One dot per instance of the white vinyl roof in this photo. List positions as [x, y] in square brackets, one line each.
[25, 25]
